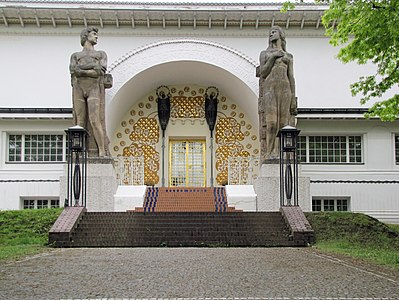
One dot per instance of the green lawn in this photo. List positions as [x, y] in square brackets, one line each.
[25, 232]
[356, 235]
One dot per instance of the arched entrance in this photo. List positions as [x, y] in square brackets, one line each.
[187, 68]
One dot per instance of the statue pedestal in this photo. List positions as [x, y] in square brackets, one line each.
[267, 188]
[101, 184]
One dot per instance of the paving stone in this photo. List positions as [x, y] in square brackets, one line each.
[192, 273]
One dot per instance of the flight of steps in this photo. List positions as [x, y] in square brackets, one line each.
[175, 229]
[185, 199]
[181, 217]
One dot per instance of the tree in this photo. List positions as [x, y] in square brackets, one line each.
[368, 30]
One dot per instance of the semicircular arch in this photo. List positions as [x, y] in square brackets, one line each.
[232, 71]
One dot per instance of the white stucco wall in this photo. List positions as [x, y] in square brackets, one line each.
[322, 81]
[378, 146]
[26, 180]
[368, 185]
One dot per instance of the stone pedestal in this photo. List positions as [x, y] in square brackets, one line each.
[267, 188]
[101, 184]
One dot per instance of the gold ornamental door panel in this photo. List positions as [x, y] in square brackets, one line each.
[187, 163]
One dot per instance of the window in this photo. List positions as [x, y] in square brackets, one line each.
[54, 203]
[330, 204]
[316, 205]
[397, 148]
[330, 149]
[342, 205]
[36, 147]
[40, 203]
[29, 204]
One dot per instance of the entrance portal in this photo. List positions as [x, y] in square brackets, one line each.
[187, 163]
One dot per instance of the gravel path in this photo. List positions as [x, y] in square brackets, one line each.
[268, 273]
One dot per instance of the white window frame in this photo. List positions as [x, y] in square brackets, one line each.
[23, 135]
[329, 198]
[347, 149]
[37, 199]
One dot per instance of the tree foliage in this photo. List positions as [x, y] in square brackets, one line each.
[368, 31]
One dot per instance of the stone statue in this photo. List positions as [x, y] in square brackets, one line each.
[277, 104]
[89, 80]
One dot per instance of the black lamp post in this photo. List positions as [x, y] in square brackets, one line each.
[163, 95]
[77, 166]
[211, 110]
[288, 166]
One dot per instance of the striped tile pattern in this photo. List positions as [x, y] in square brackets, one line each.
[185, 199]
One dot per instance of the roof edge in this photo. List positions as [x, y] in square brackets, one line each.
[332, 110]
[68, 110]
[157, 3]
[67, 113]
[35, 110]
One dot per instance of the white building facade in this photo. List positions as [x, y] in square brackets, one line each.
[353, 163]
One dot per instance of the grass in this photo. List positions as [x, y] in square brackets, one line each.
[25, 232]
[356, 235]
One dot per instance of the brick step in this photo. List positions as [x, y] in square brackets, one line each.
[182, 223]
[205, 243]
[184, 233]
[155, 232]
[126, 240]
[185, 199]
[181, 243]
[228, 209]
[178, 220]
[191, 215]
[155, 216]
[180, 214]
[161, 238]
[97, 229]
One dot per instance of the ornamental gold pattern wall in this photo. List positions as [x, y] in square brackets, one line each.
[144, 137]
[139, 131]
[229, 139]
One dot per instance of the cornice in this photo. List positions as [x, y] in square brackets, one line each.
[35, 113]
[337, 110]
[122, 15]
[157, 3]
[168, 32]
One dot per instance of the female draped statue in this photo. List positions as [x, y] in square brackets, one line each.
[277, 104]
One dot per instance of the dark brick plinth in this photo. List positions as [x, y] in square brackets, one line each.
[61, 232]
[299, 226]
[177, 229]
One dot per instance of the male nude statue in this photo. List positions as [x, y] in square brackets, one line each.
[87, 69]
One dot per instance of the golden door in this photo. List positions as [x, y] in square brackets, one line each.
[187, 163]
